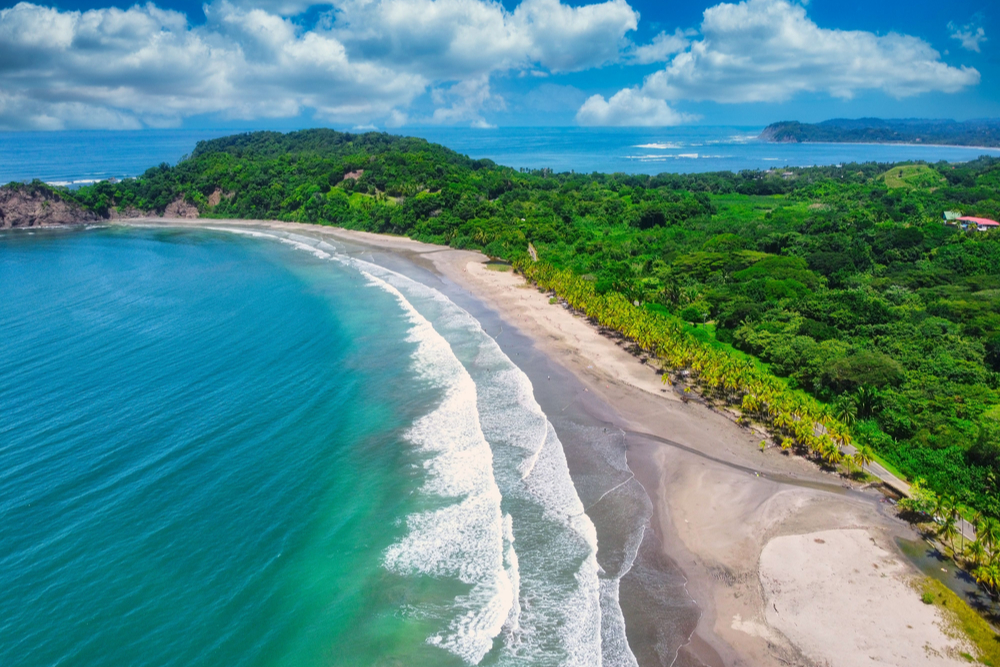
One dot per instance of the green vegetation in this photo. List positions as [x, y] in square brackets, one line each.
[913, 176]
[985, 132]
[829, 304]
[965, 622]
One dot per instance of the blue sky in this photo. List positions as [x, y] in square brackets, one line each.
[393, 63]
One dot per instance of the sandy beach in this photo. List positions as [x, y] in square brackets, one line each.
[788, 565]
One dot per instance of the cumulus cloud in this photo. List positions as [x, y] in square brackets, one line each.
[628, 108]
[661, 48]
[368, 60]
[769, 51]
[567, 39]
[971, 35]
[146, 66]
[460, 39]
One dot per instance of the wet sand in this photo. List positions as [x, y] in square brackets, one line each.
[726, 569]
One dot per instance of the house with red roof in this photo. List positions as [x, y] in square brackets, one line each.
[982, 224]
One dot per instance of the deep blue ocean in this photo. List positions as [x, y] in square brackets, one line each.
[84, 156]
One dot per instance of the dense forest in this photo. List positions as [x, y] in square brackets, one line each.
[985, 132]
[841, 282]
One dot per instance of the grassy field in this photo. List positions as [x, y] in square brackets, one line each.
[964, 621]
[912, 176]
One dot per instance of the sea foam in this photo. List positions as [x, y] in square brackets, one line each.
[466, 539]
[556, 618]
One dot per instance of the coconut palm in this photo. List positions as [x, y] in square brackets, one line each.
[866, 400]
[943, 505]
[989, 576]
[989, 533]
[863, 456]
[716, 373]
[948, 531]
[958, 511]
[976, 553]
[831, 452]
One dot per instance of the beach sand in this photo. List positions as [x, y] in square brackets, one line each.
[789, 565]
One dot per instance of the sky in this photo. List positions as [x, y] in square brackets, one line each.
[387, 64]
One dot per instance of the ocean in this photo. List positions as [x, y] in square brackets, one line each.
[241, 447]
[79, 157]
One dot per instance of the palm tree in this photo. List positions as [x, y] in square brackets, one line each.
[863, 456]
[942, 505]
[866, 400]
[976, 553]
[832, 453]
[989, 575]
[956, 514]
[948, 531]
[846, 411]
[989, 533]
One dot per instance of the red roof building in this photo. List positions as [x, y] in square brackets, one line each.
[981, 223]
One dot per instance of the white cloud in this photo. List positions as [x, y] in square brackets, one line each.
[661, 48]
[464, 101]
[567, 39]
[285, 8]
[769, 50]
[971, 35]
[461, 39]
[628, 108]
[368, 60]
[146, 66]
[397, 118]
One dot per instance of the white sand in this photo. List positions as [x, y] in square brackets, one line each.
[576, 339]
[844, 600]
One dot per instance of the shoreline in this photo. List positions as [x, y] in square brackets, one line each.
[717, 502]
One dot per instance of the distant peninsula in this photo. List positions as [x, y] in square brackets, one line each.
[981, 132]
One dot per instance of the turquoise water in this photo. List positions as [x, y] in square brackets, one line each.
[222, 449]
[197, 439]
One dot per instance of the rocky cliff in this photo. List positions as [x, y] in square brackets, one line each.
[36, 205]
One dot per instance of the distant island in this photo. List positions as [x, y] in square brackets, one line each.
[981, 132]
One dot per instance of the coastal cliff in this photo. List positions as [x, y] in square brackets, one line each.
[38, 205]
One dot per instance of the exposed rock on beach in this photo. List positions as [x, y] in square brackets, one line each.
[37, 205]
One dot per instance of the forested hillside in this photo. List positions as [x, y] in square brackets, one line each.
[842, 280]
[982, 132]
